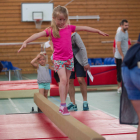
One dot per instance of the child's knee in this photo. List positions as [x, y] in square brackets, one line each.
[63, 80]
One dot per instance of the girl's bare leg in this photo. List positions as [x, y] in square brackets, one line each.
[62, 85]
[46, 93]
[41, 91]
[68, 73]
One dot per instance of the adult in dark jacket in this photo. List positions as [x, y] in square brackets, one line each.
[80, 67]
[131, 80]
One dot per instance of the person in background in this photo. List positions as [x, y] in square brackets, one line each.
[80, 67]
[114, 43]
[43, 75]
[121, 49]
[131, 79]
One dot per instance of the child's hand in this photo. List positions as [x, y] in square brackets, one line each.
[23, 46]
[38, 56]
[102, 33]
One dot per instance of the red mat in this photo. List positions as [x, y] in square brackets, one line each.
[26, 85]
[28, 126]
[38, 126]
[121, 137]
[103, 123]
[18, 85]
[101, 74]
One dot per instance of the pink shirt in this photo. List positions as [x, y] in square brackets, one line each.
[62, 46]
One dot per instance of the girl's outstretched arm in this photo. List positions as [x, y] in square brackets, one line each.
[32, 38]
[90, 29]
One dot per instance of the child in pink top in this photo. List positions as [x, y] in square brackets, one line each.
[60, 33]
[62, 46]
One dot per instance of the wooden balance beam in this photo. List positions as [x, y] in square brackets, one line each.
[73, 128]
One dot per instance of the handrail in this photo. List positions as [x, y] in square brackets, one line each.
[20, 43]
[134, 41]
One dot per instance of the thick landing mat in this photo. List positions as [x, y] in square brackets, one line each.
[27, 88]
[23, 88]
[18, 85]
[38, 126]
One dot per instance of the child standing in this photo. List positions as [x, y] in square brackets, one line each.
[43, 75]
[60, 33]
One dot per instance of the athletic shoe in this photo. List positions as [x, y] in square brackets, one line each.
[60, 109]
[85, 106]
[75, 107]
[72, 107]
[119, 91]
[65, 111]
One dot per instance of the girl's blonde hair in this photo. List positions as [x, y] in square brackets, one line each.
[56, 12]
[42, 54]
[45, 56]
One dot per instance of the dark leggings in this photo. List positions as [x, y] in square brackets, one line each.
[118, 64]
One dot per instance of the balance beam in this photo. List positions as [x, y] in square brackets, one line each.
[73, 128]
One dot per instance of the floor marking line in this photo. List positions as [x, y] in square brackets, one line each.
[25, 78]
[14, 105]
[55, 99]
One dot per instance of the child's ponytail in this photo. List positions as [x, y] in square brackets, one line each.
[58, 10]
[55, 29]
